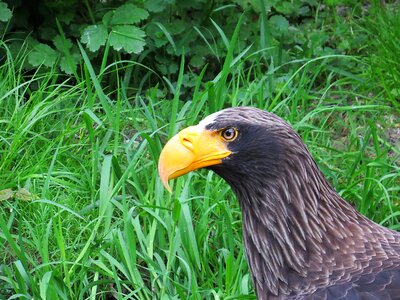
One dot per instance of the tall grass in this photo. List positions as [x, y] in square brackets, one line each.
[384, 26]
[97, 223]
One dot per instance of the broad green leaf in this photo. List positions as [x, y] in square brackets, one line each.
[288, 7]
[128, 38]
[5, 12]
[43, 54]
[128, 14]
[279, 25]
[170, 68]
[257, 5]
[94, 36]
[107, 18]
[161, 34]
[155, 33]
[61, 43]
[165, 65]
[179, 26]
[66, 17]
[155, 5]
[317, 39]
[304, 11]
[197, 61]
[47, 33]
[70, 68]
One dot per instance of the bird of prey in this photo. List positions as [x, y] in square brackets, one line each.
[302, 240]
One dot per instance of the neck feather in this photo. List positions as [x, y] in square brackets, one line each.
[297, 230]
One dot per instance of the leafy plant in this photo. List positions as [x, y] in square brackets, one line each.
[156, 33]
[117, 27]
[384, 24]
[5, 12]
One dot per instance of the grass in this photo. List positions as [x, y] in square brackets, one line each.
[87, 216]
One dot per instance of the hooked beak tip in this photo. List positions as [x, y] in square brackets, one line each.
[164, 178]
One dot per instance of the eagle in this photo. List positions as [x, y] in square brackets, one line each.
[302, 239]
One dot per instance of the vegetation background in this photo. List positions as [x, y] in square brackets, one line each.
[91, 90]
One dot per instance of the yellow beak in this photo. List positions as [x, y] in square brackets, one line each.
[192, 148]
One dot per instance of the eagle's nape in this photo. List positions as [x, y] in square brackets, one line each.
[302, 240]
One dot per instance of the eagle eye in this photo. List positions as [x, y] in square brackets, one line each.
[229, 134]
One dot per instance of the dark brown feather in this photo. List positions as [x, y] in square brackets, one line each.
[302, 240]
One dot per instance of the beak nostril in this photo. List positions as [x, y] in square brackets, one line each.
[187, 143]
